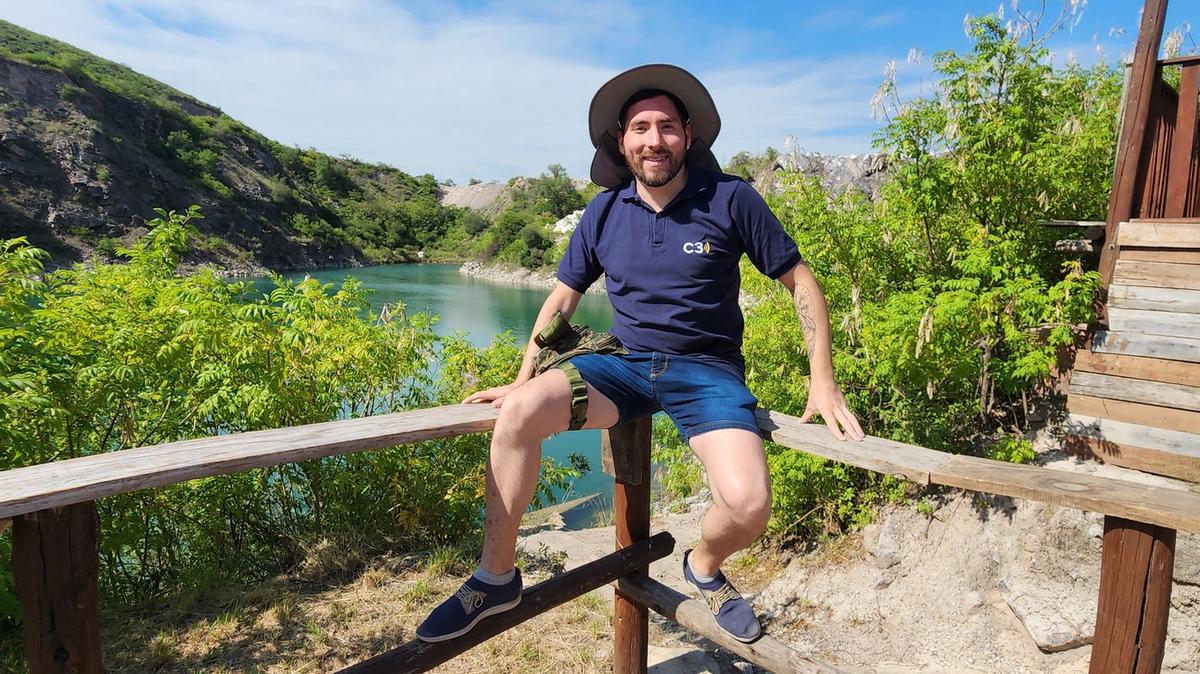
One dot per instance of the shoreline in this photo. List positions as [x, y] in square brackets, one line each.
[518, 276]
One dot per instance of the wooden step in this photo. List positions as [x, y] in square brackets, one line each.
[1134, 413]
[1154, 346]
[1139, 367]
[1181, 256]
[1178, 396]
[1157, 274]
[1165, 323]
[1153, 299]
[1159, 234]
[1146, 448]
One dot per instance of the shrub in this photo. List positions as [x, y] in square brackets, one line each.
[474, 223]
[317, 230]
[70, 92]
[107, 246]
[1012, 449]
[111, 356]
[939, 290]
[554, 193]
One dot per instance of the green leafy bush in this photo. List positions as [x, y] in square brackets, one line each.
[1012, 449]
[941, 290]
[318, 230]
[554, 194]
[677, 469]
[110, 356]
[474, 223]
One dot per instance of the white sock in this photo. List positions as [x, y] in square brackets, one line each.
[699, 578]
[494, 578]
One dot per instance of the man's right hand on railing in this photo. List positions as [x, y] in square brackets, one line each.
[494, 395]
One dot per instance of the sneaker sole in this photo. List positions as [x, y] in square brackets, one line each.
[489, 612]
[744, 640]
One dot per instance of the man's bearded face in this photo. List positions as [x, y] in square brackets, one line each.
[654, 141]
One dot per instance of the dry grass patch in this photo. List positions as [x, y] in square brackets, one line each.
[292, 625]
[753, 569]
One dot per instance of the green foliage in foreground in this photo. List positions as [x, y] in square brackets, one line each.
[948, 302]
[110, 356]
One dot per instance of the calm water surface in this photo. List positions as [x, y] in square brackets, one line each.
[482, 310]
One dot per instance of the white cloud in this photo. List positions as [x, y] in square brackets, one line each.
[489, 94]
[825, 104]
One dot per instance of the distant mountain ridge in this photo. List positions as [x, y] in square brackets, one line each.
[89, 148]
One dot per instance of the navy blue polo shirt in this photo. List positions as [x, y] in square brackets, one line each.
[672, 277]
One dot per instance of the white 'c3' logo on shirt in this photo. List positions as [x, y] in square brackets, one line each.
[697, 247]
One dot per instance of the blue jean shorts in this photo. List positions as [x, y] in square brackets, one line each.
[698, 396]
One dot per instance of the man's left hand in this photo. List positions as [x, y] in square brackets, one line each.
[826, 399]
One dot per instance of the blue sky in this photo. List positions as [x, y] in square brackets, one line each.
[494, 89]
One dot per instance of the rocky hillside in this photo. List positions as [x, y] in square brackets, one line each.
[865, 172]
[836, 173]
[89, 148]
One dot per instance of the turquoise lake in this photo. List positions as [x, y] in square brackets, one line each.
[481, 310]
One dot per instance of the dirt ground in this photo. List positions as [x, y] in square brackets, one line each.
[964, 583]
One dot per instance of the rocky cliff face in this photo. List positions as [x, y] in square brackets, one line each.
[80, 164]
[489, 198]
[837, 173]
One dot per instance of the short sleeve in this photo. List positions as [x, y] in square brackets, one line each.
[580, 266]
[770, 248]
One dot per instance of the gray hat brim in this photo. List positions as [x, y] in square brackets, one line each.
[608, 166]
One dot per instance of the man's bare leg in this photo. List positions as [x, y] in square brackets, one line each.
[741, 490]
[529, 414]
[538, 409]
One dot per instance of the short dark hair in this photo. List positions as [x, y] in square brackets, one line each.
[645, 94]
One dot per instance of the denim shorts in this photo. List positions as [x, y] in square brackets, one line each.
[698, 396]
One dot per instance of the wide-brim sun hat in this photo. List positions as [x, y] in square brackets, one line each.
[608, 166]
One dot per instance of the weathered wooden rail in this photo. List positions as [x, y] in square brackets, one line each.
[56, 540]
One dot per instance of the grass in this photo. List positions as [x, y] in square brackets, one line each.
[307, 630]
[298, 624]
[295, 624]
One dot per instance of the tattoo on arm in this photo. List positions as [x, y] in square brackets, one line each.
[804, 311]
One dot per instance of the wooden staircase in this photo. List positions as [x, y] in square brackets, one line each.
[1134, 396]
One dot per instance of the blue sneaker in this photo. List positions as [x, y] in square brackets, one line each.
[733, 613]
[473, 602]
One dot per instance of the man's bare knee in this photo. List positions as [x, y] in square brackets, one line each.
[535, 410]
[749, 508]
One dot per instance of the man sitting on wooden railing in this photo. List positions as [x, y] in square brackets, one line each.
[669, 233]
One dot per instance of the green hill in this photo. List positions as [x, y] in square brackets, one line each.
[88, 148]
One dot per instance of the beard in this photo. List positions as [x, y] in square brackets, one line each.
[655, 176]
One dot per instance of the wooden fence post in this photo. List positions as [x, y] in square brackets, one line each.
[1137, 563]
[627, 447]
[55, 559]
[1142, 82]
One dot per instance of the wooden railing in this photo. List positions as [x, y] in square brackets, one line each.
[56, 534]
